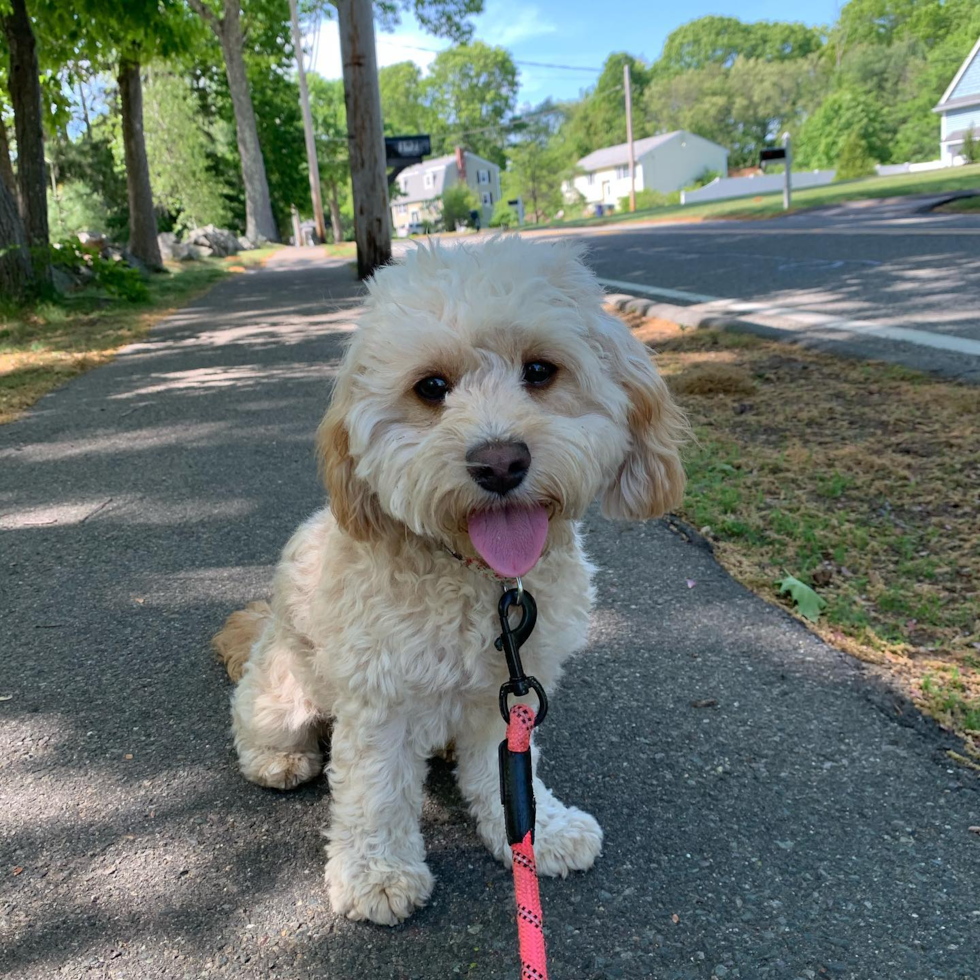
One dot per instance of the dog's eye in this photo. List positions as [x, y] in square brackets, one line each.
[432, 389]
[537, 374]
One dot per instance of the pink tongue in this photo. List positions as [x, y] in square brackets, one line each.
[511, 540]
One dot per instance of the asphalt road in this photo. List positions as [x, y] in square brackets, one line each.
[862, 278]
[800, 824]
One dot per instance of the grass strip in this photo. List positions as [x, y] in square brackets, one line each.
[861, 480]
[46, 344]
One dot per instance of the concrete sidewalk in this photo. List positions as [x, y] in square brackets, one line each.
[770, 812]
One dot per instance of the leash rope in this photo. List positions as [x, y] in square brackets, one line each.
[516, 781]
[530, 918]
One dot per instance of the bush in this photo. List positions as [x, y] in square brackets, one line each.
[645, 199]
[705, 177]
[115, 277]
[77, 207]
[855, 159]
[457, 202]
[504, 216]
[970, 150]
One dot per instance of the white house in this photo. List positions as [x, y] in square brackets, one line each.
[664, 163]
[421, 186]
[960, 108]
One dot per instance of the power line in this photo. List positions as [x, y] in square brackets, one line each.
[530, 64]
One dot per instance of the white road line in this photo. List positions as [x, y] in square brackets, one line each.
[801, 319]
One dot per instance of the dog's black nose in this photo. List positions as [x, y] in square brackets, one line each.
[499, 466]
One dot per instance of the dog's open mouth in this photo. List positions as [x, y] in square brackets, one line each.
[510, 540]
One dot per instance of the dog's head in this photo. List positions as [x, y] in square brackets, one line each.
[486, 389]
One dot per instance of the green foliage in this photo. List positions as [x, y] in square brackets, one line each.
[844, 114]
[403, 106]
[855, 160]
[112, 276]
[538, 163]
[808, 603]
[76, 207]
[705, 177]
[504, 216]
[178, 148]
[457, 202]
[970, 150]
[470, 92]
[645, 199]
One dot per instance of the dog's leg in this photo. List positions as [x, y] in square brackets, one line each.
[376, 858]
[565, 838]
[275, 724]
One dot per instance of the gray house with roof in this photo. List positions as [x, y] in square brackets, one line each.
[960, 107]
[664, 163]
[419, 201]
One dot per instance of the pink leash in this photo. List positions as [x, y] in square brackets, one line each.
[516, 781]
[530, 925]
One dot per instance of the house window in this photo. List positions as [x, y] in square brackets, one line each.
[428, 181]
[415, 217]
[590, 179]
[401, 209]
[622, 172]
[483, 176]
[487, 199]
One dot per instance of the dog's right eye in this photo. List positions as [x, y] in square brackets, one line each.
[432, 389]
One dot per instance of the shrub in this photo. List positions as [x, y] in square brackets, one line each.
[457, 202]
[855, 159]
[970, 150]
[504, 216]
[645, 199]
[114, 276]
[705, 177]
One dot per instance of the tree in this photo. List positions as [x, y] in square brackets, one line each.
[32, 181]
[457, 203]
[403, 107]
[330, 127]
[855, 160]
[538, 162]
[970, 150]
[260, 224]
[16, 273]
[471, 91]
[847, 111]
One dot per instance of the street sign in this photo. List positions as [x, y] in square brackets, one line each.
[772, 153]
[406, 149]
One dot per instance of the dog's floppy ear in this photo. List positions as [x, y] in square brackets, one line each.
[353, 503]
[650, 481]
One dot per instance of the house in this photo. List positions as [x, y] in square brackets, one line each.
[960, 108]
[664, 163]
[420, 189]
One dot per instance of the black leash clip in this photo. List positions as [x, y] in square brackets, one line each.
[510, 642]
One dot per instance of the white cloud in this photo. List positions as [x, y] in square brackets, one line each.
[506, 23]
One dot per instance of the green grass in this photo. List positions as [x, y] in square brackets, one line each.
[45, 344]
[341, 250]
[962, 205]
[768, 205]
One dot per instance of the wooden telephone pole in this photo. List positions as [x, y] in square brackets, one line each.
[372, 220]
[629, 134]
[304, 102]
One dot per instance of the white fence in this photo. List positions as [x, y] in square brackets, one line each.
[724, 187]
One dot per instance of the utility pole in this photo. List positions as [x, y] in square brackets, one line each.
[629, 134]
[372, 220]
[304, 102]
[787, 182]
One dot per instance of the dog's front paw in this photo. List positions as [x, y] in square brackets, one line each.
[279, 770]
[567, 839]
[382, 892]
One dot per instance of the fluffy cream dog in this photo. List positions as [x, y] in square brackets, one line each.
[485, 400]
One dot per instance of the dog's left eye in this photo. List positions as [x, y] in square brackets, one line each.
[538, 373]
[432, 389]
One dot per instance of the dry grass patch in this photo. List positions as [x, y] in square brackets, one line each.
[46, 345]
[862, 480]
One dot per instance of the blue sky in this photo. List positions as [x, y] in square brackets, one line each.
[570, 32]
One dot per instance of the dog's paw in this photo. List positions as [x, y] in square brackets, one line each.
[567, 840]
[380, 893]
[279, 770]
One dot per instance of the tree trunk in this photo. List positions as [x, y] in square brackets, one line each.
[16, 274]
[260, 224]
[304, 104]
[25, 94]
[6, 168]
[142, 218]
[335, 222]
[372, 220]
